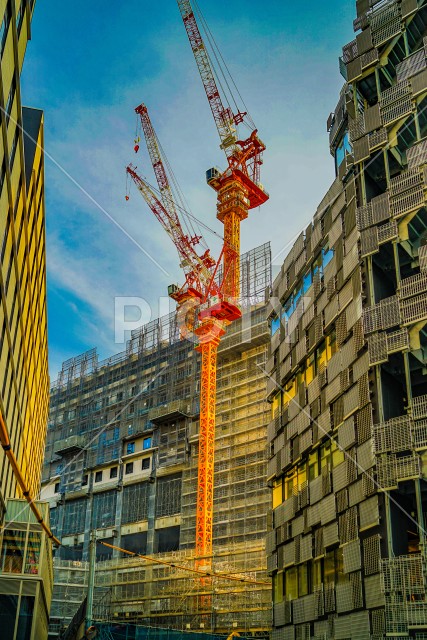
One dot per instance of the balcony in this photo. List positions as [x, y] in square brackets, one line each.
[72, 443]
[170, 410]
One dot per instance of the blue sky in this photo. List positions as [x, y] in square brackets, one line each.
[89, 64]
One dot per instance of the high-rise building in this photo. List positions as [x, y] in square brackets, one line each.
[24, 385]
[348, 386]
[121, 459]
[26, 564]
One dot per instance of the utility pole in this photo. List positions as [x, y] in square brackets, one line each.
[91, 578]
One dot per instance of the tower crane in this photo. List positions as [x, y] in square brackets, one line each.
[238, 190]
[215, 304]
[238, 187]
[202, 295]
[215, 309]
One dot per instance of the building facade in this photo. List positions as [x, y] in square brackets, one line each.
[24, 383]
[26, 563]
[26, 573]
[347, 361]
[121, 459]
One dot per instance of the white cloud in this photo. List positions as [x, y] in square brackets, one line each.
[289, 90]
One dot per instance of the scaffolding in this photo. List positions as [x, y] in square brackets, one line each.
[122, 457]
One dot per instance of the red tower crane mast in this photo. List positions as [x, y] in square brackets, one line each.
[212, 310]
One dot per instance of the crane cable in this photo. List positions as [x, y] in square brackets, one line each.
[216, 70]
[186, 213]
[180, 198]
[215, 48]
[7, 448]
[173, 565]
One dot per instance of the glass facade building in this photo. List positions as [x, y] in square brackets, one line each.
[24, 383]
[25, 586]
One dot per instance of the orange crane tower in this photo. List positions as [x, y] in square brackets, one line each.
[203, 298]
[212, 311]
[214, 305]
[238, 190]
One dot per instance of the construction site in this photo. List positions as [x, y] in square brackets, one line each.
[159, 452]
[122, 459]
[254, 463]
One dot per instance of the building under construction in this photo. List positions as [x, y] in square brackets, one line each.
[121, 459]
[348, 384]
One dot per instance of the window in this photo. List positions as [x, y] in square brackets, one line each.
[57, 487]
[333, 567]
[302, 580]
[147, 443]
[310, 369]
[342, 149]
[98, 476]
[9, 103]
[321, 355]
[332, 344]
[20, 17]
[316, 573]
[327, 255]
[33, 553]
[104, 509]
[276, 405]
[113, 472]
[4, 27]
[338, 455]
[278, 587]
[146, 463]
[130, 447]
[313, 465]
[74, 516]
[325, 455]
[129, 468]
[135, 502]
[275, 324]
[13, 148]
[291, 583]
[290, 482]
[277, 493]
[13, 551]
[84, 480]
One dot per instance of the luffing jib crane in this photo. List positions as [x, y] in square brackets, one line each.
[238, 190]
[238, 187]
[215, 304]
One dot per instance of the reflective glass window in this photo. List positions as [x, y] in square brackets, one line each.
[13, 551]
[33, 553]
